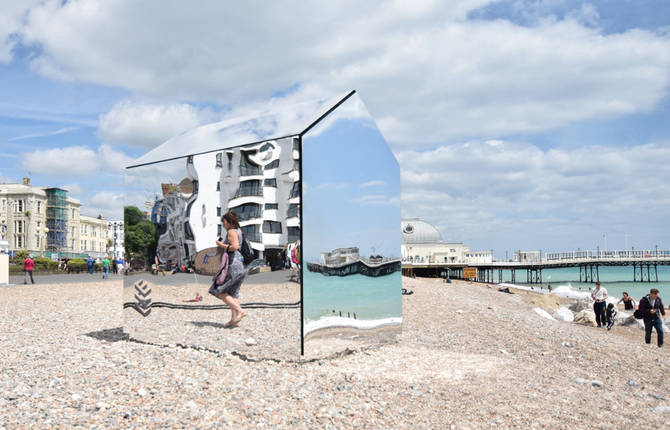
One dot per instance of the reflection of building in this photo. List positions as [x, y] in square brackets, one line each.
[422, 243]
[26, 211]
[115, 234]
[93, 236]
[260, 182]
[347, 261]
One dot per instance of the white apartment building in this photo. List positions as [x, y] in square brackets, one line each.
[93, 236]
[26, 214]
[115, 234]
[422, 243]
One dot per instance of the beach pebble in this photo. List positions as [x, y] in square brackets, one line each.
[141, 392]
[662, 409]
[75, 397]
[580, 381]
[101, 406]
[597, 383]
[250, 341]
[502, 351]
[632, 382]
[566, 344]
[460, 311]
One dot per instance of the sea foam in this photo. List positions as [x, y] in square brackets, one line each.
[334, 322]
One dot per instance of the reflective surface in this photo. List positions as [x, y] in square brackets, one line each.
[166, 299]
[351, 215]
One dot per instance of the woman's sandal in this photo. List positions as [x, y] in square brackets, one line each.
[230, 324]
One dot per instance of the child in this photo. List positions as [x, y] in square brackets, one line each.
[611, 314]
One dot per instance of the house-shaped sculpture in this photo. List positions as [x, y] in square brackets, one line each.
[316, 190]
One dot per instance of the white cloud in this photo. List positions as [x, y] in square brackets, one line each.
[69, 161]
[517, 195]
[374, 183]
[451, 78]
[147, 125]
[378, 199]
[73, 188]
[11, 20]
[107, 203]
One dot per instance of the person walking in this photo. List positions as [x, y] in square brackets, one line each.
[105, 268]
[28, 266]
[229, 290]
[628, 302]
[89, 265]
[599, 295]
[651, 307]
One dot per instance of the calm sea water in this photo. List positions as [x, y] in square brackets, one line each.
[370, 298]
[615, 279]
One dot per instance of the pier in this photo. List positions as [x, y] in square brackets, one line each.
[644, 263]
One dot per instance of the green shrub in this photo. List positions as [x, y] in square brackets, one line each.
[19, 257]
[77, 265]
[45, 264]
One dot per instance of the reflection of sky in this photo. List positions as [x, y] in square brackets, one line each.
[351, 190]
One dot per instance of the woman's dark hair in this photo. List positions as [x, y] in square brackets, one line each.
[625, 293]
[232, 219]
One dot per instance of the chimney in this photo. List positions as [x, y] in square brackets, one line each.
[26, 181]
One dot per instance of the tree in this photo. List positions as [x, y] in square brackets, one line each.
[132, 215]
[140, 234]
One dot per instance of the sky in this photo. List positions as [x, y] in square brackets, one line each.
[517, 124]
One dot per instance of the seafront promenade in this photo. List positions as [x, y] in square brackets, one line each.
[644, 264]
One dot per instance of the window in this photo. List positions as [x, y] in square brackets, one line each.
[72, 231]
[295, 191]
[266, 147]
[4, 205]
[250, 188]
[270, 182]
[293, 210]
[187, 231]
[218, 211]
[218, 185]
[189, 159]
[18, 226]
[293, 234]
[18, 241]
[218, 230]
[271, 206]
[85, 244]
[296, 144]
[250, 232]
[273, 165]
[39, 207]
[219, 160]
[81, 229]
[19, 206]
[271, 227]
[230, 160]
[81, 245]
[93, 245]
[247, 167]
[195, 187]
[248, 211]
[37, 240]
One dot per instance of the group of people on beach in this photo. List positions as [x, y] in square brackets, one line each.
[650, 309]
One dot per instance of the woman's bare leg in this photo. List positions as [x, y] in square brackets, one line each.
[233, 304]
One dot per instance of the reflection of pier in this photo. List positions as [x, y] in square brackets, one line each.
[347, 261]
[645, 266]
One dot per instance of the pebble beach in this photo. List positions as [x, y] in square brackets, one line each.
[469, 357]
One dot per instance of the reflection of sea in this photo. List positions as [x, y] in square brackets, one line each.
[370, 298]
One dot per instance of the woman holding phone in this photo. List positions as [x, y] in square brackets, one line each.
[229, 291]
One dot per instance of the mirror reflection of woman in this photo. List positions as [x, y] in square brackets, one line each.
[229, 291]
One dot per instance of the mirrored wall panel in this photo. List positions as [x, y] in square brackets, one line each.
[182, 286]
[351, 219]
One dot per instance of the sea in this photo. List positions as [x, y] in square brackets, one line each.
[615, 279]
[335, 300]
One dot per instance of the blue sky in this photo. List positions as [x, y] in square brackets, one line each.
[517, 124]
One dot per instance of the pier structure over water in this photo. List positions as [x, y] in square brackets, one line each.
[644, 263]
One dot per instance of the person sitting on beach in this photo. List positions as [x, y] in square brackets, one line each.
[628, 302]
[651, 307]
[599, 295]
[229, 291]
[611, 314]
